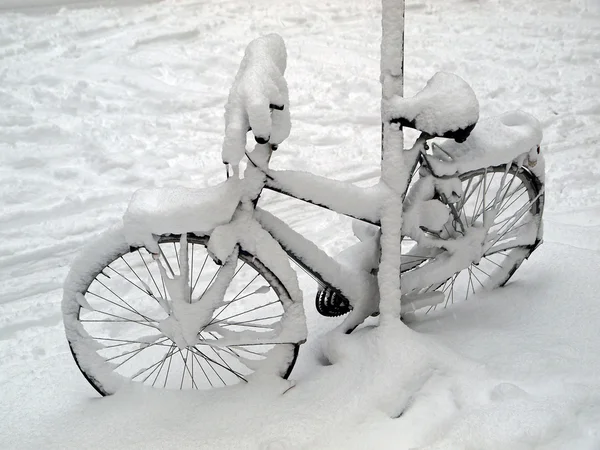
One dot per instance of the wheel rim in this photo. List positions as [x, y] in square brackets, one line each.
[504, 196]
[122, 310]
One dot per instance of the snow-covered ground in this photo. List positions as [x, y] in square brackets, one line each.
[99, 100]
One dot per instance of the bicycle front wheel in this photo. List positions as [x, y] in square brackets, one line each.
[116, 302]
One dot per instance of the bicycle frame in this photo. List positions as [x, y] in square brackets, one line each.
[382, 205]
[310, 188]
[365, 204]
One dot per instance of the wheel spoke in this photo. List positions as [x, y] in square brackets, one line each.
[508, 234]
[169, 367]
[209, 360]
[124, 319]
[149, 294]
[193, 383]
[214, 370]
[185, 366]
[202, 368]
[467, 197]
[209, 283]
[152, 366]
[247, 351]
[150, 273]
[245, 323]
[123, 300]
[177, 255]
[231, 301]
[135, 353]
[237, 299]
[452, 289]
[480, 192]
[167, 260]
[492, 261]
[516, 219]
[481, 270]
[199, 273]
[221, 358]
[475, 276]
[505, 208]
[227, 349]
[225, 362]
[162, 364]
[146, 287]
[192, 271]
[212, 322]
[127, 342]
[137, 350]
[119, 306]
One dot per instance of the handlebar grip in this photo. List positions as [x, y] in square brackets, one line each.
[262, 140]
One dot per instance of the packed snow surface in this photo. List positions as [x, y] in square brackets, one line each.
[100, 99]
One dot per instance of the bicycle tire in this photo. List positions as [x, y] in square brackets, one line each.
[107, 305]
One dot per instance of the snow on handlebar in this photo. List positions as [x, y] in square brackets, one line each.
[258, 99]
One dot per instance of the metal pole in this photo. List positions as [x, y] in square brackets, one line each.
[393, 170]
[392, 47]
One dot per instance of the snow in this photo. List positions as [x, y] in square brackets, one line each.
[98, 102]
[344, 197]
[496, 140]
[246, 231]
[258, 84]
[394, 166]
[392, 48]
[446, 104]
[179, 210]
[356, 283]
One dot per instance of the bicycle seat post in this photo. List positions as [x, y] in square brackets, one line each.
[393, 170]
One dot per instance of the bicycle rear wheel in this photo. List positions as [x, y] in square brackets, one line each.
[114, 311]
[516, 197]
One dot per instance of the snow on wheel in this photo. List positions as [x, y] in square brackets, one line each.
[508, 201]
[118, 311]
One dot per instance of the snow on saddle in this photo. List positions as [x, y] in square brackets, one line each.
[445, 107]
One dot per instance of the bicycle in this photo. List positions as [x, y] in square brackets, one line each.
[195, 289]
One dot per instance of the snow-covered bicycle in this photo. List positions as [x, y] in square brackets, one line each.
[195, 288]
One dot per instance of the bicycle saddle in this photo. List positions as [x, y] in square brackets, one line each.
[446, 107]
